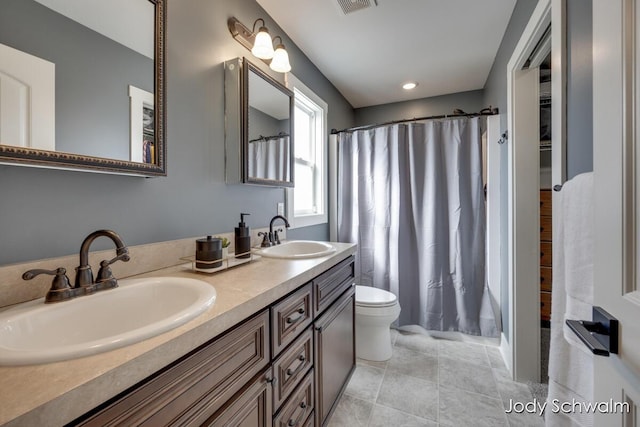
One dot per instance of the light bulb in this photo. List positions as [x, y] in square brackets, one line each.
[263, 46]
[280, 61]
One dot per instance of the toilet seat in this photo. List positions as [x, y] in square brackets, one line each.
[367, 296]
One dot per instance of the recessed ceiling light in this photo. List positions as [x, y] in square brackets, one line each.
[409, 85]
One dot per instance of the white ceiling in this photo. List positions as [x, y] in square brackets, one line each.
[447, 46]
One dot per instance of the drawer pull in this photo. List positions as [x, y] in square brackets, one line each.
[271, 380]
[302, 359]
[292, 319]
[294, 422]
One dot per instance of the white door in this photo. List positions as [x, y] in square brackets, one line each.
[616, 100]
[27, 100]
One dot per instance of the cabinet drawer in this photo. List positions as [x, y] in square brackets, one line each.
[545, 305]
[196, 386]
[546, 277]
[545, 228]
[296, 411]
[546, 257]
[291, 366]
[328, 286]
[310, 421]
[545, 202]
[290, 317]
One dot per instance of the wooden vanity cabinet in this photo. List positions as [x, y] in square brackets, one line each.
[285, 366]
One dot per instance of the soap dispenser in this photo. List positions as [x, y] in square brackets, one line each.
[243, 238]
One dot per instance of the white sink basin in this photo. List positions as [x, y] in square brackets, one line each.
[138, 309]
[298, 249]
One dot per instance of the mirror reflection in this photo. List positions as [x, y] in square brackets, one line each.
[269, 124]
[78, 76]
[269, 145]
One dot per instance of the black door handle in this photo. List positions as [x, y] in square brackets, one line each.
[600, 335]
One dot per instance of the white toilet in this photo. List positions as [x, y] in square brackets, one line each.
[376, 309]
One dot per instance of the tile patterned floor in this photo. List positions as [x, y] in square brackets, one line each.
[433, 381]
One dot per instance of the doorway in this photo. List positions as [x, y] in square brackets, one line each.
[522, 349]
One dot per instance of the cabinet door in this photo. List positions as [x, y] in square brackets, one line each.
[335, 355]
[196, 387]
[250, 408]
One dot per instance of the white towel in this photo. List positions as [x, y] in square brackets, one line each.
[570, 362]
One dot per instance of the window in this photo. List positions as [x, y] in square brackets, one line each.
[307, 201]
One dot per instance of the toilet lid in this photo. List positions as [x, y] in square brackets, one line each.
[366, 295]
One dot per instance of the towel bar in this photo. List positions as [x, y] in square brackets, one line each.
[600, 335]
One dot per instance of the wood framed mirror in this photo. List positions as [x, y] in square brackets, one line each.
[85, 82]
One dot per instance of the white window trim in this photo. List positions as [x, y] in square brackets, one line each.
[314, 219]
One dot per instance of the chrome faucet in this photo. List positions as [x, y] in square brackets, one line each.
[61, 289]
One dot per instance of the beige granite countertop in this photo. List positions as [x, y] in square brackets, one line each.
[55, 393]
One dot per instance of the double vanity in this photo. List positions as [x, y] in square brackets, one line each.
[273, 345]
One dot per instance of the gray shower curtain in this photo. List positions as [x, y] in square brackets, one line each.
[411, 197]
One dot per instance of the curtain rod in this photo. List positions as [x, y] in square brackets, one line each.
[415, 119]
[266, 138]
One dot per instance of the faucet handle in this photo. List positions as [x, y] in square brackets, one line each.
[60, 287]
[60, 282]
[266, 240]
[276, 236]
[105, 274]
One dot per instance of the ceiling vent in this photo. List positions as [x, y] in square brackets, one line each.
[349, 6]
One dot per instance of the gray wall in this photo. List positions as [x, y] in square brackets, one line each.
[46, 213]
[470, 102]
[579, 87]
[92, 101]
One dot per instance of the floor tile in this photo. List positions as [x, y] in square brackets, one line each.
[413, 363]
[474, 353]
[417, 342]
[467, 376]
[461, 409]
[365, 383]
[372, 363]
[410, 395]
[386, 417]
[525, 420]
[513, 391]
[351, 412]
[495, 358]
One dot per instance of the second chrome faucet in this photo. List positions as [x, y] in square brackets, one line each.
[61, 289]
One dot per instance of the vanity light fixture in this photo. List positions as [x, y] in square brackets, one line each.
[263, 45]
[260, 44]
[409, 85]
[280, 61]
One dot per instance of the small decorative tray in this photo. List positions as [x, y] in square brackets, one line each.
[229, 261]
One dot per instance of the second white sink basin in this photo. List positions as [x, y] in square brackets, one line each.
[138, 309]
[298, 249]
